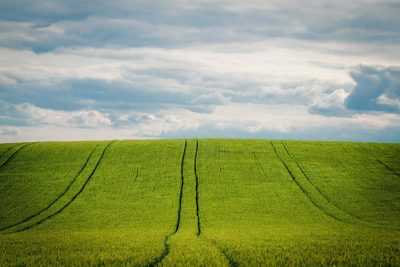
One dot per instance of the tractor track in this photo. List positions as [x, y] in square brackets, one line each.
[388, 167]
[13, 154]
[137, 174]
[178, 220]
[166, 249]
[73, 198]
[166, 242]
[259, 165]
[314, 186]
[197, 189]
[231, 262]
[8, 149]
[385, 165]
[56, 199]
[322, 209]
[303, 190]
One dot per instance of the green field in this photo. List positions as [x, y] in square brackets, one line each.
[200, 203]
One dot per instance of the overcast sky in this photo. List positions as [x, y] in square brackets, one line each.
[126, 69]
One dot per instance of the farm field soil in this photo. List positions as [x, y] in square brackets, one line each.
[205, 202]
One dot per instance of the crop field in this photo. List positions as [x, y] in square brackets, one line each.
[205, 202]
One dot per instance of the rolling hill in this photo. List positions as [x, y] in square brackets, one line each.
[205, 202]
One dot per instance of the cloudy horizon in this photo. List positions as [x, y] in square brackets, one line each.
[70, 70]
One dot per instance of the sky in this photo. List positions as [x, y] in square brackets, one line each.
[123, 69]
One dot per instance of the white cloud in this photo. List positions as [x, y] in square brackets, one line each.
[331, 104]
[8, 133]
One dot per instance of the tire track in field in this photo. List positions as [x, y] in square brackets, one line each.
[137, 174]
[388, 167]
[361, 148]
[4, 163]
[385, 165]
[231, 262]
[316, 204]
[48, 217]
[258, 163]
[321, 207]
[8, 149]
[197, 189]
[56, 199]
[314, 186]
[166, 250]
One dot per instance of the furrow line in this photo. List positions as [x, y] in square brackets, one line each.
[73, 198]
[303, 190]
[166, 250]
[57, 198]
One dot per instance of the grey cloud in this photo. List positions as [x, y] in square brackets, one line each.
[155, 89]
[31, 24]
[373, 86]
[74, 94]
[15, 115]
[376, 89]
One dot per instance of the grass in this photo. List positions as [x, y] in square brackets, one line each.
[200, 203]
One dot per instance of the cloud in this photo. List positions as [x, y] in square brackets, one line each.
[222, 67]
[331, 104]
[230, 120]
[377, 89]
[26, 114]
[152, 79]
[7, 132]
[49, 25]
